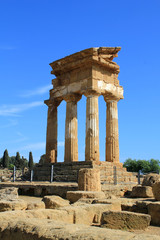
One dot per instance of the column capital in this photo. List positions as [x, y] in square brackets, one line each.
[108, 98]
[55, 102]
[75, 97]
[91, 93]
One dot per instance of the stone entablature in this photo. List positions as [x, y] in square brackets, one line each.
[90, 69]
[92, 73]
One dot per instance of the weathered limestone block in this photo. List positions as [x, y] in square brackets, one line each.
[137, 206]
[89, 179]
[125, 220]
[150, 179]
[11, 205]
[83, 201]
[116, 203]
[89, 213]
[154, 211]
[54, 214]
[84, 214]
[35, 205]
[8, 193]
[156, 191]
[5, 179]
[47, 229]
[37, 191]
[53, 202]
[74, 196]
[142, 192]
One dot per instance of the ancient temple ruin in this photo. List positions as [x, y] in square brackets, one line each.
[91, 73]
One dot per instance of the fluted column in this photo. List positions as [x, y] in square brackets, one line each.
[51, 139]
[92, 128]
[112, 136]
[71, 136]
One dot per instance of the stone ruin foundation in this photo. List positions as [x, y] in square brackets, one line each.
[91, 73]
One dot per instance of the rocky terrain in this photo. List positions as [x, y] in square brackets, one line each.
[83, 215]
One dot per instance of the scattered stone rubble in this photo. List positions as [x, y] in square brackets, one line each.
[89, 209]
[6, 175]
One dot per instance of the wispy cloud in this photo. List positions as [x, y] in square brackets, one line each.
[18, 138]
[38, 146]
[34, 146]
[38, 91]
[12, 110]
[11, 123]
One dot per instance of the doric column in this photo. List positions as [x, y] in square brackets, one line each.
[71, 138]
[92, 128]
[51, 139]
[112, 137]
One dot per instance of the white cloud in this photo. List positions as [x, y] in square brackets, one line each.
[38, 146]
[12, 110]
[34, 146]
[18, 138]
[11, 123]
[38, 91]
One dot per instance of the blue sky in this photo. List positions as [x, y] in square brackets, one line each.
[34, 33]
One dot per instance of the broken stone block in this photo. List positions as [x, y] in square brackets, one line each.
[74, 196]
[125, 220]
[150, 179]
[53, 202]
[154, 211]
[49, 229]
[36, 205]
[116, 204]
[8, 193]
[142, 192]
[89, 179]
[11, 205]
[156, 191]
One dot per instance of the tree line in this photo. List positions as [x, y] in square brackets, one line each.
[145, 166]
[19, 162]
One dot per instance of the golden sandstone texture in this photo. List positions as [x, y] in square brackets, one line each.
[89, 179]
[125, 220]
[76, 221]
[53, 230]
[91, 73]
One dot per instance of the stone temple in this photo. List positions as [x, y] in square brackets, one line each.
[92, 73]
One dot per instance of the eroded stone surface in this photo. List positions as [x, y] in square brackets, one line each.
[125, 220]
[156, 191]
[47, 229]
[89, 180]
[151, 179]
[74, 196]
[142, 192]
[11, 205]
[53, 202]
[154, 211]
[35, 205]
[8, 193]
[92, 73]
